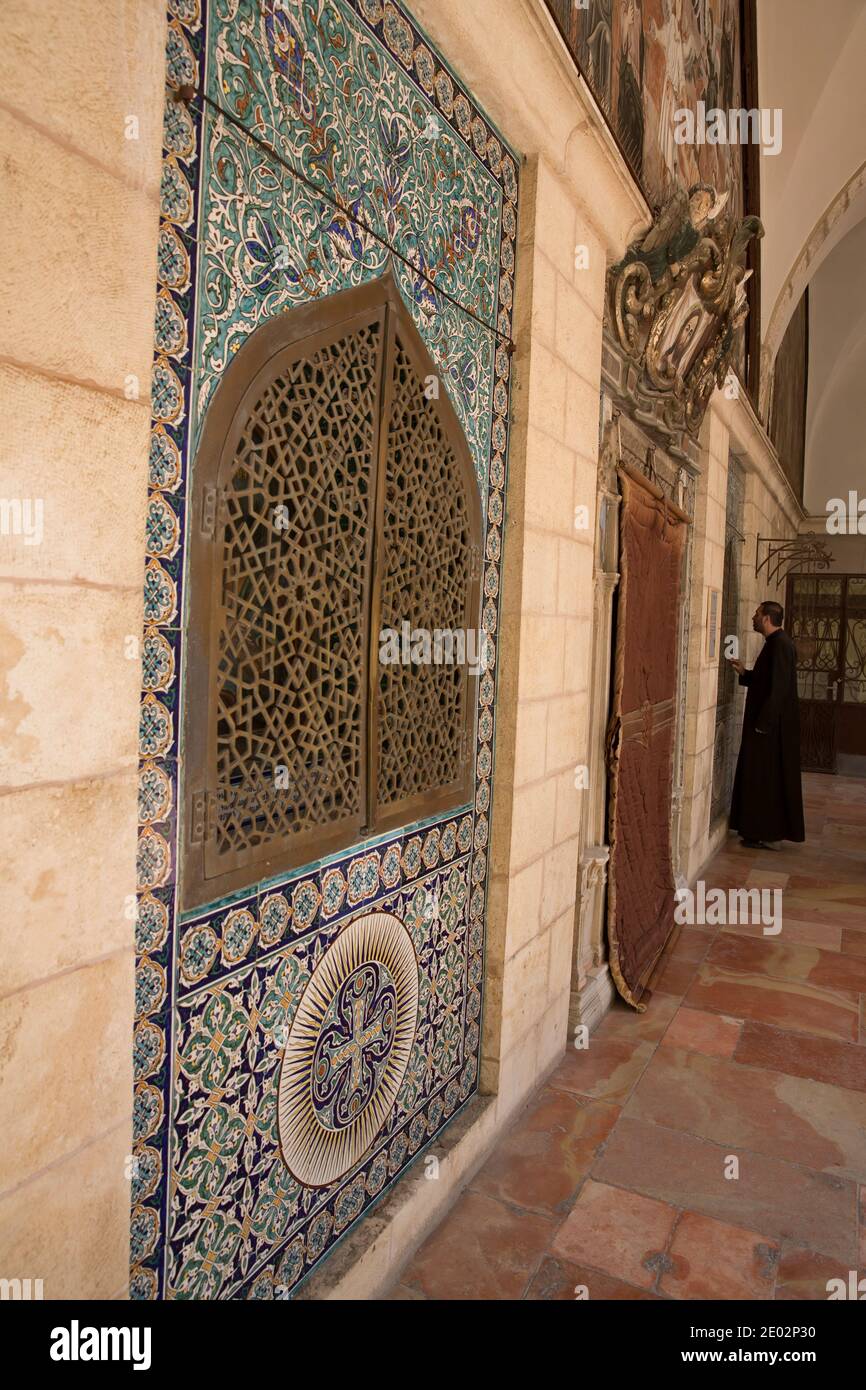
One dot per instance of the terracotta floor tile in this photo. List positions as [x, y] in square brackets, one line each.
[606, 1070]
[617, 1180]
[543, 1160]
[821, 1059]
[784, 1200]
[846, 833]
[787, 1003]
[483, 1250]
[824, 890]
[702, 1032]
[710, 1259]
[799, 933]
[803, 1274]
[766, 878]
[834, 912]
[781, 961]
[620, 1233]
[755, 1110]
[674, 977]
[561, 1280]
[623, 1022]
[400, 1293]
[691, 945]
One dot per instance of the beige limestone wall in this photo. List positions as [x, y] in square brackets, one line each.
[708, 562]
[770, 509]
[547, 602]
[76, 330]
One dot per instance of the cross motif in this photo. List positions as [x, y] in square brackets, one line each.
[354, 1047]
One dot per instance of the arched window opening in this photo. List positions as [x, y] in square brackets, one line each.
[335, 596]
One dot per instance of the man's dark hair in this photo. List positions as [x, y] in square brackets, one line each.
[774, 611]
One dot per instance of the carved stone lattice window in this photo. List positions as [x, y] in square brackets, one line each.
[334, 500]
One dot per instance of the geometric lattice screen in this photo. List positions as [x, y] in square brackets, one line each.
[334, 499]
[430, 566]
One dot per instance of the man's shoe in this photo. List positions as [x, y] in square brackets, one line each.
[751, 844]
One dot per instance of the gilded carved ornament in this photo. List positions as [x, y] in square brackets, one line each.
[677, 298]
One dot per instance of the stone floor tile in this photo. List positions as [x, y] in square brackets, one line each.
[784, 1200]
[755, 1110]
[804, 1007]
[803, 1274]
[560, 1280]
[608, 1069]
[623, 1022]
[691, 945]
[781, 961]
[673, 976]
[483, 1250]
[710, 1259]
[618, 1232]
[821, 1059]
[697, 1031]
[543, 1160]
[798, 932]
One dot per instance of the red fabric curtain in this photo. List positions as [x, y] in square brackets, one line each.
[641, 733]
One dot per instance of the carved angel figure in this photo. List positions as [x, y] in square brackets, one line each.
[682, 223]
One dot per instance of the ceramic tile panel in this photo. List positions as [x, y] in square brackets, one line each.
[358, 106]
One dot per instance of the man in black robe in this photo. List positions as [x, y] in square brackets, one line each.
[767, 802]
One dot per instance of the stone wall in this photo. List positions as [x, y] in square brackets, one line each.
[771, 509]
[78, 326]
[80, 131]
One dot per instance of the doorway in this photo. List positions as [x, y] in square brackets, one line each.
[827, 620]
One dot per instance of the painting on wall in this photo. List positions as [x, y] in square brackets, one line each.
[790, 386]
[310, 146]
[646, 59]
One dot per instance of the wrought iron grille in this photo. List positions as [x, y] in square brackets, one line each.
[816, 613]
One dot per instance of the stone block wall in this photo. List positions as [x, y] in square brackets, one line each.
[548, 588]
[80, 132]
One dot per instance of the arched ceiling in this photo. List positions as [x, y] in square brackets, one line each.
[836, 401]
[811, 65]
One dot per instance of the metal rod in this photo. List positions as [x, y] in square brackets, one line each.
[188, 95]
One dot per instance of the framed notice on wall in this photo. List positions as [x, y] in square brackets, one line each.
[714, 608]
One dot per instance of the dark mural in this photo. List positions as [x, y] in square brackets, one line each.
[646, 59]
[788, 413]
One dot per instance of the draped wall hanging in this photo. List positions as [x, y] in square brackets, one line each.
[640, 737]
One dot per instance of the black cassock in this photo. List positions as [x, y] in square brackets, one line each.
[767, 802]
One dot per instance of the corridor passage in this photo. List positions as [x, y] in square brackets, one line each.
[715, 1146]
